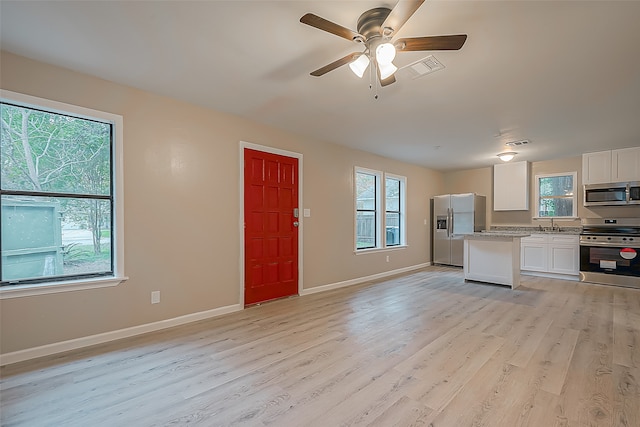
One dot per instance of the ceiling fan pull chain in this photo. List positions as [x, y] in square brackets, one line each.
[371, 75]
[376, 81]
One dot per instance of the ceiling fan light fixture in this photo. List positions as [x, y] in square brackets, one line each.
[507, 156]
[359, 65]
[386, 70]
[385, 53]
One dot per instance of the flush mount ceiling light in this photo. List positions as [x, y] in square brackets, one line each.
[507, 156]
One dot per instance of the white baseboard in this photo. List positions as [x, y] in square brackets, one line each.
[59, 347]
[74, 344]
[358, 280]
[571, 277]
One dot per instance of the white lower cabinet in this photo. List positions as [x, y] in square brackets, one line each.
[533, 253]
[550, 253]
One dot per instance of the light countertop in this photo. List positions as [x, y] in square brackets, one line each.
[497, 235]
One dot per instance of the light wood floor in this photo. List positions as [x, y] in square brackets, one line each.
[421, 349]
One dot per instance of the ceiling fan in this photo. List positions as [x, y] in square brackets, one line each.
[376, 29]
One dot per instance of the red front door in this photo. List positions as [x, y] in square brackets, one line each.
[270, 227]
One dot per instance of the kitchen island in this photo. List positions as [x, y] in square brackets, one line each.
[493, 257]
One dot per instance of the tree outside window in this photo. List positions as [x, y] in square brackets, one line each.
[56, 195]
[556, 195]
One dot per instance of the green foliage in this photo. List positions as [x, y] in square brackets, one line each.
[57, 153]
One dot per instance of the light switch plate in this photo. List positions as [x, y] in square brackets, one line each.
[307, 213]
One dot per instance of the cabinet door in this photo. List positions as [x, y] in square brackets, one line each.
[533, 253]
[625, 164]
[564, 259]
[596, 167]
[511, 186]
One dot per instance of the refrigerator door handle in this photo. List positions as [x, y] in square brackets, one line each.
[449, 220]
[452, 221]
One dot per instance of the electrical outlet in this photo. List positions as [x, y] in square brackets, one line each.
[155, 297]
[387, 258]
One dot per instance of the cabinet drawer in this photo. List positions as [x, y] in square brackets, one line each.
[564, 239]
[535, 238]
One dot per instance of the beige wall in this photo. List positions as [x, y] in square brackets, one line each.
[481, 181]
[477, 181]
[182, 215]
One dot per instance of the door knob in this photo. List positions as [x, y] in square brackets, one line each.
[296, 223]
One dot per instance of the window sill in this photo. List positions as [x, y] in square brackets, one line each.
[19, 291]
[389, 248]
[556, 218]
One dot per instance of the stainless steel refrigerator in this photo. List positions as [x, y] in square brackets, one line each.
[455, 215]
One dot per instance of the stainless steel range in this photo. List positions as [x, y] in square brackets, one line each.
[609, 251]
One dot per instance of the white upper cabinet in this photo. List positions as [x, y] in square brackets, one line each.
[604, 167]
[625, 164]
[511, 186]
[596, 167]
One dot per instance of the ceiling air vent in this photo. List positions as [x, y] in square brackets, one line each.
[518, 143]
[424, 66]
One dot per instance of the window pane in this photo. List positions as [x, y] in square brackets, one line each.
[556, 196]
[365, 230]
[392, 187]
[556, 207]
[556, 186]
[393, 228]
[53, 237]
[49, 152]
[365, 191]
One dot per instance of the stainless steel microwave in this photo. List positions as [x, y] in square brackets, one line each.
[615, 194]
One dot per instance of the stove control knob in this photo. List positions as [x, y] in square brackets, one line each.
[608, 238]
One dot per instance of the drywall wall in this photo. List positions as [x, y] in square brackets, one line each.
[182, 211]
[481, 181]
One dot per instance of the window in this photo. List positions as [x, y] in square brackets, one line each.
[59, 210]
[556, 195]
[367, 195]
[372, 216]
[392, 213]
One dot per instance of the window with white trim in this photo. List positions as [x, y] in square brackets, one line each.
[60, 211]
[380, 220]
[556, 195]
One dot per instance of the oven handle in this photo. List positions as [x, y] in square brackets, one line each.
[611, 245]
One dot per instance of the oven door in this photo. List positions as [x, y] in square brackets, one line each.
[611, 265]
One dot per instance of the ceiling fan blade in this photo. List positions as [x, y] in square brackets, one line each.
[388, 80]
[454, 42]
[328, 26]
[400, 14]
[336, 64]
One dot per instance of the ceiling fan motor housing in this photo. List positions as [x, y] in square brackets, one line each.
[370, 24]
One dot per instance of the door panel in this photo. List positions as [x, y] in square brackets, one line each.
[271, 239]
[441, 237]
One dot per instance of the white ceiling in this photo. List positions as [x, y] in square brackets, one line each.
[564, 75]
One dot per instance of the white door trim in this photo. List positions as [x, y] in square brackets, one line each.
[266, 149]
